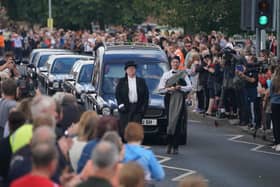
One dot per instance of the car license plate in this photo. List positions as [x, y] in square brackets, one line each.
[150, 122]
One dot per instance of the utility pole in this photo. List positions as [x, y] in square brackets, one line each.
[50, 8]
[50, 20]
[278, 29]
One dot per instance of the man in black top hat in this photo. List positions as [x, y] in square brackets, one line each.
[132, 95]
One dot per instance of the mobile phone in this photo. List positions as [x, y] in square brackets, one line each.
[68, 135]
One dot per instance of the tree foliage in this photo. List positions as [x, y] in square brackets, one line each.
[201, 15]
[192, 15]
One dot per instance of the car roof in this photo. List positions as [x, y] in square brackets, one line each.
[36, 51]
[138, 52]
[44, 49]
[80, 63]
[85, 62]
[54, 52]
[128, 45]
[52, 57]
[138, 55]
[47, 49]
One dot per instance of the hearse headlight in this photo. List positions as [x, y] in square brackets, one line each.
[106, 111]
[56, 84]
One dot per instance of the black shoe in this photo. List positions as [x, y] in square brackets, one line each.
[271, 144]
[168, 151]
[175, 151]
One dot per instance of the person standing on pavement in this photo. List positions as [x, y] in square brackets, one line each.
[174, 104]
[7, 102]
[2, 44]
[275, 106]
[250, 79]
[18, 46]
[132, 96]
[8, 67]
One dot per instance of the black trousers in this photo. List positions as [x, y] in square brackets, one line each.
[258, 112]
[200, 99]
[230, 100]
[130, 115]
[276, 122]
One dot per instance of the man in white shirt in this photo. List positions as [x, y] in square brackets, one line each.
[174, 103]
[132, 95]
[18, 46]
[89, 44]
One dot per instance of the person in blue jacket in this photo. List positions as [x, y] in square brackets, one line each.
[134, 134]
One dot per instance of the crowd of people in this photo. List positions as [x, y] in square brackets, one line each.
[90, 152]
[51, 141]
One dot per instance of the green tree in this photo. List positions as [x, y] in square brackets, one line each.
[192, 15]
[200, 15]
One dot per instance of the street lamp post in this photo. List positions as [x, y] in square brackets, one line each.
[50, 20]
[50, 9]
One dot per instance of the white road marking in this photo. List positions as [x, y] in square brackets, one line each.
[146, 146]
[163, 158]
[178, 178]
[194, 121]
[255, 149]
[187, 172]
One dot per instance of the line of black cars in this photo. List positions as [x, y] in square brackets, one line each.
[93, 80]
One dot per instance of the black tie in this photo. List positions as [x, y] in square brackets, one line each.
[174, 72]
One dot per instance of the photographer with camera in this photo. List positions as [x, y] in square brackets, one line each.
[232, 86]
[8, 67]
[250, 77]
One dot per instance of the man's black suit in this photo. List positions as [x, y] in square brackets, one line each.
[131, 111]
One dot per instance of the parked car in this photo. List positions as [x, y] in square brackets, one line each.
[81, 84]
[109, 68]
[41, 58]
[35, 52]
[58, 69]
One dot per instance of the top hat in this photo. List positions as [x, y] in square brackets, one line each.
[130, 63]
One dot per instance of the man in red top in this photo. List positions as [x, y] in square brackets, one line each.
[44, 159]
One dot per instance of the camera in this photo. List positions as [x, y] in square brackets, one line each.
[26, 87]
[259, 67]
[27, 83]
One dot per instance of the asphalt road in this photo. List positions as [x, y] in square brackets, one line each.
[225, 155]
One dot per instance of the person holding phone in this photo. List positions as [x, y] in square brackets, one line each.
[250, 76]
[8, 67]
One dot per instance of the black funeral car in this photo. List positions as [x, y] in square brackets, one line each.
[109, 68]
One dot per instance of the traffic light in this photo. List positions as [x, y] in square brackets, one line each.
[264, 14]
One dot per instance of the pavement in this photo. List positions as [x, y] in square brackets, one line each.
[266, 135]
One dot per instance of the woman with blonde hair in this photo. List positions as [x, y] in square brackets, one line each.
[85, 132]
[275, 106]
